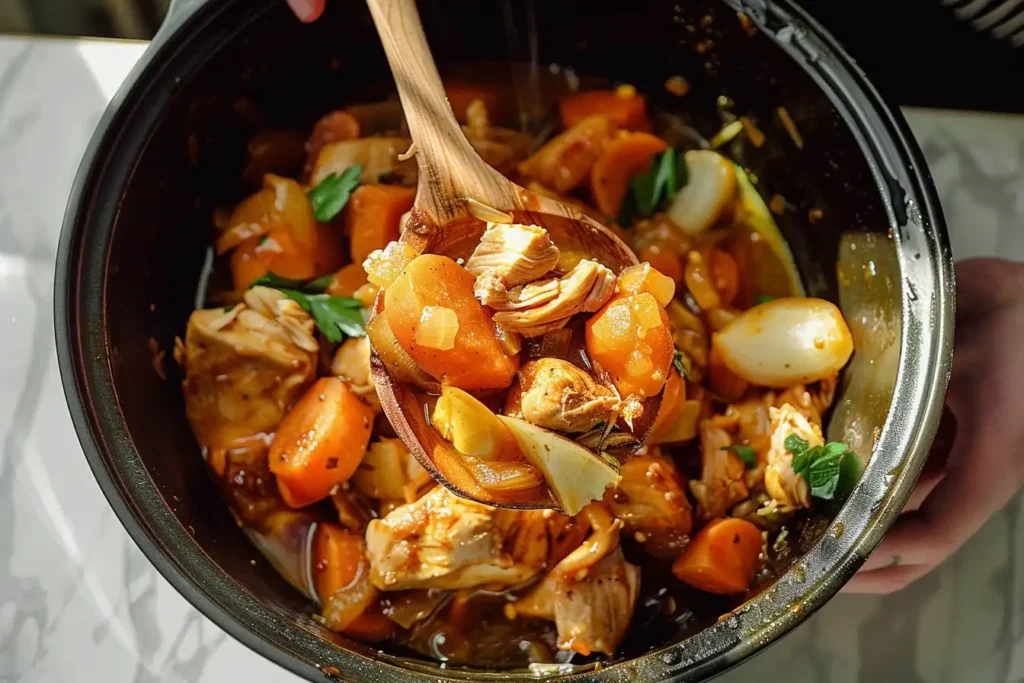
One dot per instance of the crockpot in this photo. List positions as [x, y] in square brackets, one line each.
[861, 217]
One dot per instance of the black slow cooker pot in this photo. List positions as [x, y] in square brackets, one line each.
[172, 146]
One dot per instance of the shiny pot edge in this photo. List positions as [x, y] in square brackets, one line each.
[928, 307]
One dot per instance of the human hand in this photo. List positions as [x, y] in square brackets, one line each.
[985, 467]
[307, 10]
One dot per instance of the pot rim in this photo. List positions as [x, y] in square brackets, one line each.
[926, 266]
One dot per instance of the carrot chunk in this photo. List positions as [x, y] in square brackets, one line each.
[320, 442]
[722, 558]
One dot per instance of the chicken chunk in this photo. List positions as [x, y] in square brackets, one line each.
[351, 364]
[753, 429]
[591, 614]
[509, 256]
[651, 502]
[245, 366]
[721, 482]
[811, 400]
[548, 304]
[446, 542]
[785, 486]
[559, 396]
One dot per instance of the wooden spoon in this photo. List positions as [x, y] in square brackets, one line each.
[450, 173]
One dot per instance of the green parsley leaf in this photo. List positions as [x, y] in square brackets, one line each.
[336, 316]
[650, 191]
[275, 281]
[745, 453]
[821, 466]
[682, 363]
[765, 298]
[330, 196]
[795, 445]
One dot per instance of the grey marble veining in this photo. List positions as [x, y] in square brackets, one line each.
[78, 600]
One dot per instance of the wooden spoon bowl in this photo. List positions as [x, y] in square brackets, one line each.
[450, 174]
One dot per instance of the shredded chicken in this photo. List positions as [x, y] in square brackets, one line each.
[351, 364]
[785, 486]
[509, 256]
[721, 482]
[446, 542]
[651, 502]
[812, 401]
[753, 428]
[559, 396]
[548, 304]
[245, 366]
[591, 614]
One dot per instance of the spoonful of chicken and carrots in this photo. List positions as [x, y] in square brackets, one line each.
[520, 351]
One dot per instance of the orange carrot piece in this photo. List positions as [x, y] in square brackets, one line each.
[626, 109]
[565, 161]
[340, 573]
[663, 257]
[725, 274]
[372, 217]
[372, 625]
[671, 404]
[621, 159]
[722, 558]
[274, 252]
[337, 558]
[320, 442]
[280, 206]
[638, 365]
[347, 280]
[476, 359]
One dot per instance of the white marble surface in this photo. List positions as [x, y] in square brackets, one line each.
[79, 602]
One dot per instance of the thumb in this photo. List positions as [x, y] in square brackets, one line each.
[307, 10]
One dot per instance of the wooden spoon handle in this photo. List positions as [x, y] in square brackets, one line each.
[449, 168]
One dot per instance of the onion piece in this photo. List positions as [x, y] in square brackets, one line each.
[437, 329]
[575, 476]
[505, 477]
[409, 607]
[396, 359]
[383, 266]
[785, 342]
[710, 190]
[646, 278]
[472, 428]
[511, 342]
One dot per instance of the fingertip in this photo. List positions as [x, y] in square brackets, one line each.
[307, 10]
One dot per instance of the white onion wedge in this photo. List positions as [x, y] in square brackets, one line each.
[711, 189]
[575, 475]
[785, 342]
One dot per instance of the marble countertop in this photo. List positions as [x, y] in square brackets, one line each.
[78, 600]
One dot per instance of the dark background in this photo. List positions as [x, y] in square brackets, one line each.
[919, 52]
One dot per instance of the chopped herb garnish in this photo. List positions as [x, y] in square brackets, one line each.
[336, 316]
[275, 281]
[263, 239]
[682, 363]
[820, 465]
[764, 298]
[745, 453]
[650, 191]
[329, 197]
